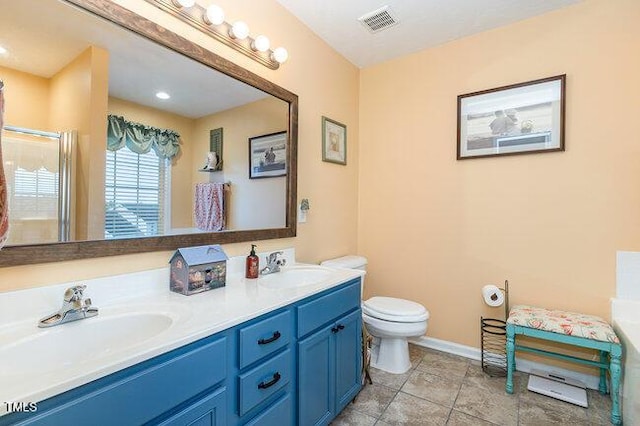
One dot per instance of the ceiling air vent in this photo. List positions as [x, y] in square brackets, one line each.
[378, 20]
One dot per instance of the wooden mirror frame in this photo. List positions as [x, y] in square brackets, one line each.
[55, 252]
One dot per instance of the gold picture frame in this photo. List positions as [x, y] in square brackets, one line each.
[334, 141]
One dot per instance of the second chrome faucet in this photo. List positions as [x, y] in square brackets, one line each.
[274, 262]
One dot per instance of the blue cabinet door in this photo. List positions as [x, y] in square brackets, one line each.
[278, 414]
[348, 353]
[316, 388]
[208, 411]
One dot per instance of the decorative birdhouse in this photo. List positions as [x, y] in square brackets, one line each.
[198, 269]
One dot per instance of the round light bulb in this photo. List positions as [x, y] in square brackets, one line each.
[239, 30]
[280, 55]
[261, 43]
[163, 95]
[3, 51]
[184, 3]
[214, 15]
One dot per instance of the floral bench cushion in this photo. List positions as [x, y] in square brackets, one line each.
[563, 322]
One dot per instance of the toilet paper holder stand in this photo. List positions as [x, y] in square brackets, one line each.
[505, 290]
[493, 336]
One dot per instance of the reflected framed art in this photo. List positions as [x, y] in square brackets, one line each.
[268, 155]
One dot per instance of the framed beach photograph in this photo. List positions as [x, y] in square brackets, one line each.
[516, 119]
[268, 155]
[334, 141]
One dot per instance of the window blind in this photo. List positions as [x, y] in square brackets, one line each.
[35, 194]
[135, 194]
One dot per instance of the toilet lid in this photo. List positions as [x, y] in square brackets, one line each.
[397, 310]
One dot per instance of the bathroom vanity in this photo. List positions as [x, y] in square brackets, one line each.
[276, 350]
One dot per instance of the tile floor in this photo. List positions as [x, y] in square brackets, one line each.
[444, 389]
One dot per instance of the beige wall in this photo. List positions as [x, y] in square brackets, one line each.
[26, 99]
[326, 83]
[239, 124]
[79, 102]
[97, 139]
[182, 165]
[436, 230]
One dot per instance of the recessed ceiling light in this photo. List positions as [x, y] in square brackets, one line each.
[3, 51]
[162, 95]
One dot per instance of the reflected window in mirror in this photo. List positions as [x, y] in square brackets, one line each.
[138, 178]
[136, 194]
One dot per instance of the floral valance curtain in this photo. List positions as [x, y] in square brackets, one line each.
[140, 138]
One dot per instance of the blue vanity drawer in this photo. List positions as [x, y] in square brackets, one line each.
[264, 337]
[263, 381]
[278, 414]
[325, 308]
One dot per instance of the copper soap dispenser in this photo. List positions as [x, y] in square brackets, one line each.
[253, 264]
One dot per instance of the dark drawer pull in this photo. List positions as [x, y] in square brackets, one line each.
[338, 328]
[263, 385]
[273, 338]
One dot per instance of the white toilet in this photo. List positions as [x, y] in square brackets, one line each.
[390, 321]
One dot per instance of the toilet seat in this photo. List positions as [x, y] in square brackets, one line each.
[395, 310]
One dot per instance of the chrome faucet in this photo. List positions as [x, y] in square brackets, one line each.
[74, 308]
[273, 263]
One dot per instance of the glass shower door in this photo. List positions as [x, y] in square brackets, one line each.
[35, 165]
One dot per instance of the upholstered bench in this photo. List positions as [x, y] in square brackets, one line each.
[586, 331]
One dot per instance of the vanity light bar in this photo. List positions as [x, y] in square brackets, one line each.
[211, 20]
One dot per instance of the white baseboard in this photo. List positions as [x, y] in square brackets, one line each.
[523, 365]
[447, 346]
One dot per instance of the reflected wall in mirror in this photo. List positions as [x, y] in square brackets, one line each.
[70, 70]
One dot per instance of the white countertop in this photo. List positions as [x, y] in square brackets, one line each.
[29, 379]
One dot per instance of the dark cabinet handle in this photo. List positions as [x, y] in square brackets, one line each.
[273, 338]
[338, 328]
[263, 385]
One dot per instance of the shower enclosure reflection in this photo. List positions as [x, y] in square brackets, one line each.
[38, 169]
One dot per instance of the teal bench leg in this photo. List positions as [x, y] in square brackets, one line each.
[602, 387]
[511, 357]
[614, 368]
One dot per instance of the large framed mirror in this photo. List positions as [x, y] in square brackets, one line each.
[98, 165]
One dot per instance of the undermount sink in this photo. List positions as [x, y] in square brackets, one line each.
[296, 276]
[29, 349]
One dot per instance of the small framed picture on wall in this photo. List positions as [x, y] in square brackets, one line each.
[334, 141]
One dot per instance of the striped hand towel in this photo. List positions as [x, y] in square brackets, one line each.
[209, 206]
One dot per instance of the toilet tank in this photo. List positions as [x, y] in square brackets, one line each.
[349, 262]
